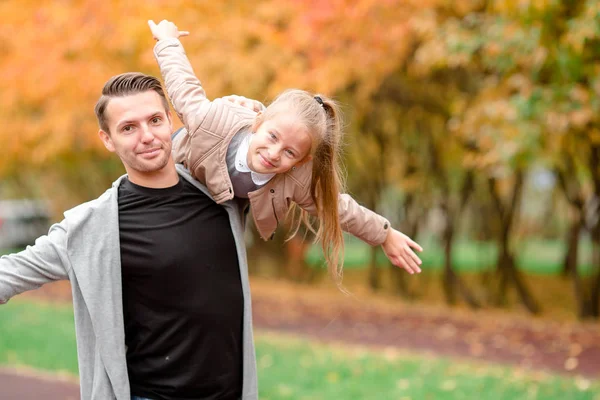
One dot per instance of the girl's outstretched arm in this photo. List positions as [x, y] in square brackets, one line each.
[183, 87]
[372, 229]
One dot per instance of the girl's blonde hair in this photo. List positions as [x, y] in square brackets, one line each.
[322, 117]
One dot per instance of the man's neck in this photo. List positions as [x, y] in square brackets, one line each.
[166, 177]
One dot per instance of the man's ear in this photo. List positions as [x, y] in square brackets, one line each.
[257, 122]
[108, 143]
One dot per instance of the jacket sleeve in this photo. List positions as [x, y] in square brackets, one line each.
[355, 219]
[44, 262]
[183, 87]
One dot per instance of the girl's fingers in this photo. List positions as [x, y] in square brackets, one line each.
[414, 256]
[415, 245]
[414, 263]
[406, 264]
[184, 33]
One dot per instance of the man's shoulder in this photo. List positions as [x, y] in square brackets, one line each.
[185, 173]
[105, 201]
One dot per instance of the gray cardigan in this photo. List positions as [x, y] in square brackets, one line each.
[84, 248]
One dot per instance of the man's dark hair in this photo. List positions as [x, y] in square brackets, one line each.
[126, 84]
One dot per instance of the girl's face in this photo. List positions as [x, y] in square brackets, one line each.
[279, 144]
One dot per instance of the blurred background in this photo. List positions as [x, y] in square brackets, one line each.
[472, 125]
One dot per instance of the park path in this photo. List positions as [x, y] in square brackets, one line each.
[17, 384]
[569, 348]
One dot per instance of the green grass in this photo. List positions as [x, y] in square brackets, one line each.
[297, 369]
[42, 336]
[535, 256]
[36, 335]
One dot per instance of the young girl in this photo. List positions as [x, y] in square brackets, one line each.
[284, 156]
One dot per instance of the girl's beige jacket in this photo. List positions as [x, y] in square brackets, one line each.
[211, 125]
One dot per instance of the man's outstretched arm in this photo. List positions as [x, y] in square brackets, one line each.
[44, 262]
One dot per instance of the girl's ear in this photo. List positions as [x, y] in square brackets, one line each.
[305, 160]
[257, 122]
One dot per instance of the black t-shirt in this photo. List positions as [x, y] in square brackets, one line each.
[182, 294]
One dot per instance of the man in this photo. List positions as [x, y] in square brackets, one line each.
[158, 270]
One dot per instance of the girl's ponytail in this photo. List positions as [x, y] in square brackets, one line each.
[326, 185]
[322, 117]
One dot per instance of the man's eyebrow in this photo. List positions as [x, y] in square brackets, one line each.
[127, 121]
[133, 121]
[157, 114]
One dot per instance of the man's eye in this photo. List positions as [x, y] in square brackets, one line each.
[156, 120]
[127, 128]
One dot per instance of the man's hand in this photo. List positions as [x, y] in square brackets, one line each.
[165, 30]
[399, 249]
[254, 105]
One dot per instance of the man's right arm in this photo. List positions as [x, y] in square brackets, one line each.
[44, 262]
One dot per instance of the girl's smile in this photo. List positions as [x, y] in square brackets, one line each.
[278, 145]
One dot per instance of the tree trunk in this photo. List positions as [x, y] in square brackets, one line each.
[374, 272]
[570, 260]
[502, 272]
[526, 298]
[509, 275]
[595, 286]
[573, 193]
[451, 280]
[411, 228]
[595, 296]
[584, 306]
[374, 281]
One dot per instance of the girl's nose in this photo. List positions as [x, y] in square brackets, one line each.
[274, 154]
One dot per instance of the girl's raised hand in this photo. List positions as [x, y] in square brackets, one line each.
[165, 30]
[399, 250]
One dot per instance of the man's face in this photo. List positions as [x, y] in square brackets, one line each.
[140, 133]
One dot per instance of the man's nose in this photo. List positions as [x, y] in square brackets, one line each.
[147, 135]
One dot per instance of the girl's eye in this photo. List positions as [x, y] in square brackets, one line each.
[290, 153]
[272, 136]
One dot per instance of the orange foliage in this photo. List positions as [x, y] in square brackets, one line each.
[55, 57]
